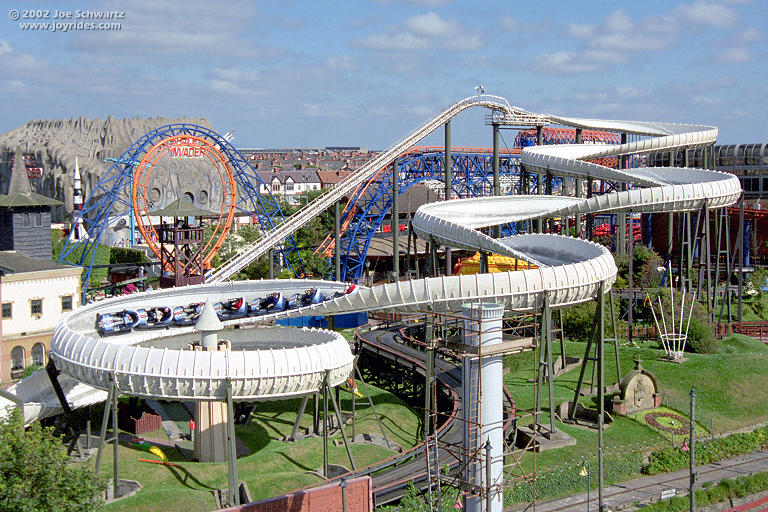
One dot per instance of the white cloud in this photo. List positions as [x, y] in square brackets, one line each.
[509, 23]
[424, 31]
[612, 42]
[160, 28]
[706, 101]
[394, 41]
[733, 55]
[341, 62]
[5, 47]
[429, 24]
[425, 3]
[563, 63]
[750, 35]
[620, 32]
[705, 12]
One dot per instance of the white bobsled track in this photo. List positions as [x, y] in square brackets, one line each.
[280, 362]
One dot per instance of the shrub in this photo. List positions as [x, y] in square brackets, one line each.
[725, 490]
[673, 459]
[29, 370]
[578, 320]
[36, 473]
[646, 264]
[566, 479]
[125, 255]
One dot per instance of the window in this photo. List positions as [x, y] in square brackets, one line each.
[7, 310]
[38, 218]
[740, 152]
[751, 184]
[38, 354]
[36, 306]
[17, 358]
[66, 303]
[289, 186]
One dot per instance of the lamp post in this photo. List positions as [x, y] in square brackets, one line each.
[585, 471]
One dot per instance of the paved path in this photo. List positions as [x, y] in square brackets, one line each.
[646, 489]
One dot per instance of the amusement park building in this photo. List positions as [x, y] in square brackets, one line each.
[747, 161]
[34, 294]
[289, 184]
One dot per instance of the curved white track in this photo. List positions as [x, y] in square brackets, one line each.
[151, 363]
[263, 364]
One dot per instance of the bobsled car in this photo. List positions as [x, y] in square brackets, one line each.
[155, 317]
[270, 304]
[231, 308]
[187, 315]
[117, 322]
[310, 296]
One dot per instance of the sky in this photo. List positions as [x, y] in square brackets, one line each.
[368, 72]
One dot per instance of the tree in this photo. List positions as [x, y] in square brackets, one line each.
[37, 474]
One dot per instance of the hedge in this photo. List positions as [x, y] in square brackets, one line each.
[673, 459]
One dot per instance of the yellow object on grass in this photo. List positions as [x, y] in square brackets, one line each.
[351, 386]
[157, 451]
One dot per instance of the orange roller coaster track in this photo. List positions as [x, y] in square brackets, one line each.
[184, 146]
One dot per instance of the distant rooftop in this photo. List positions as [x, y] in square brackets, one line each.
[20, 193]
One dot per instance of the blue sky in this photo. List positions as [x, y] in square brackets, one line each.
[314, 73]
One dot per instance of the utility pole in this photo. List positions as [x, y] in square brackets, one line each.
[692, 452]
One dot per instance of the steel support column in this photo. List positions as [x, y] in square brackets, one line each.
[233, 478]
[448, 188]
[590, 217]
[539, 142]
[395, 214]
[336, 241]
[579, 191]
[600, 393]
[495, 165]
[630, 282]
[577, 217]
[740, 244]
[429, 375]
[545, 364]
[621, 218]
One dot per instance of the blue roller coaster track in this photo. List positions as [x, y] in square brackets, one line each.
[471, 176]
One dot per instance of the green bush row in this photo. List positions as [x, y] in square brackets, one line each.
[673, 459]
[565, 480]
[741, 487]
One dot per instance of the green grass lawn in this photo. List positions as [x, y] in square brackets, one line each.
[731, 388]
[273, 467]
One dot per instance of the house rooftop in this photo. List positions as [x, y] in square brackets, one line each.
[12, 262]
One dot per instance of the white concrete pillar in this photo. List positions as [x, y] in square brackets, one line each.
[484, 421]
[210, 416]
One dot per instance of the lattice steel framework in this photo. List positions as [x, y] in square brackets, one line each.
[111, 197]
[472, 176]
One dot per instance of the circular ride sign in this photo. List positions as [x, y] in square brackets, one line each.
[184, 146]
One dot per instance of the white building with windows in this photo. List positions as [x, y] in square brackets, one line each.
[290, 185]
[34, 294]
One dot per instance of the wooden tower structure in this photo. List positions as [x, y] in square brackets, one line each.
[182, 243]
